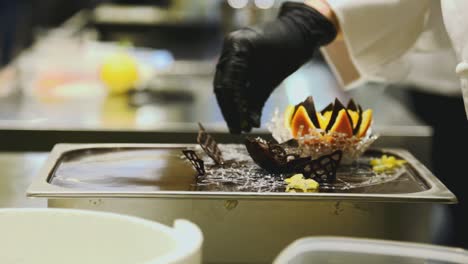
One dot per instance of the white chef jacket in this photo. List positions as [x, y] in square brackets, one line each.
[418, 42]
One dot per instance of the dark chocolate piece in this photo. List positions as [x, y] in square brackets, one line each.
[275, 158]
[209, 145]
[352, 105]
[359, 121]
[197, 163]
[322, 169]
[327, 108]
[261, 154]
[337, 106]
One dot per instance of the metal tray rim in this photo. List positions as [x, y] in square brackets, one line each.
[437, 193]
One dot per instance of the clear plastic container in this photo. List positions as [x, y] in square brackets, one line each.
[341, 250]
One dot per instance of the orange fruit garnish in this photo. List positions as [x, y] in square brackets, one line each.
[365, 123]
[301, 118]
[354, 117]
[323, 119]
[342, 124]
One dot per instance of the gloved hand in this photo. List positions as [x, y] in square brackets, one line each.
[254, 61]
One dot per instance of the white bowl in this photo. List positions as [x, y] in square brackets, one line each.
[53, 236]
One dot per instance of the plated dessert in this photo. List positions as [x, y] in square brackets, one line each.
[310, 148]
[336, 127]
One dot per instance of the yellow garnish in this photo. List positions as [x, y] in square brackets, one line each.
[297, 182]
[323, 122]
[288, 114]
[354, 117]
[386, 164]
[327, 115]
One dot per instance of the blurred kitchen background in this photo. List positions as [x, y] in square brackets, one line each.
[145, 65]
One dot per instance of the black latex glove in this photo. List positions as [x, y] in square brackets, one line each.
[254, 61]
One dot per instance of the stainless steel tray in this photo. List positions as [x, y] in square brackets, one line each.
[225, 216]
[177, 178]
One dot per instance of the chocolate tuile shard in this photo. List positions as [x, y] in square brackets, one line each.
[209, 145]
[337, 106]
[196, 162]
[260, 153]
[277, 158]
[352, 105]
[359, 121]
[327, 108]
[322, 169]
[360, 109]
[309, 105]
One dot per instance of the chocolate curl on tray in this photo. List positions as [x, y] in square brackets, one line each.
[209, 145]
[280, 158]
[197, 163]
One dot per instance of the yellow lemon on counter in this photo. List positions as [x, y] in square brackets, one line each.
[119, 72]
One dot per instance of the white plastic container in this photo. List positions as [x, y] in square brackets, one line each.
[340, 250]
[56, 236]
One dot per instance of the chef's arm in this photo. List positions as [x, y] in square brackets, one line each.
[454, 13]
[374, 35]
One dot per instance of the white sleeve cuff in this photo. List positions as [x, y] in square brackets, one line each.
[379, 32]
[462, 69]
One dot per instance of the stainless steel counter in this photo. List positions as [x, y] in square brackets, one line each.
[169, 108]
[17, 173]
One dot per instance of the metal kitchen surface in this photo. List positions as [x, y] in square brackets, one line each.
[159, 170]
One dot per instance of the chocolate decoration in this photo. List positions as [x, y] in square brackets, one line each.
[352, 105]
[275, 158]
[350, 120]
[197, 163]
[327, 108]
[209, 145]
[309, 105]
[359, 121]
[261, 154]
[337, 106]
[322, 169]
